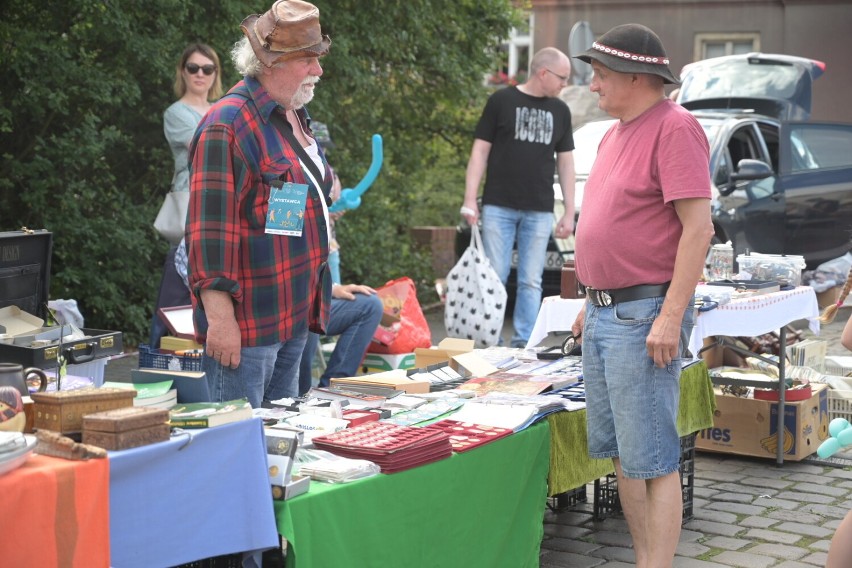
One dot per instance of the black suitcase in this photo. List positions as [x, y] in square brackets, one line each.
[25, 282]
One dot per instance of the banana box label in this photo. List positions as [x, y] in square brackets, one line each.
[745, 426]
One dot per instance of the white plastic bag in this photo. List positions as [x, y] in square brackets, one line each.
[476, 299]
[171, 218]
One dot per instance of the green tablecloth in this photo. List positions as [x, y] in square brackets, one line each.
[479, 508]
[570, 464]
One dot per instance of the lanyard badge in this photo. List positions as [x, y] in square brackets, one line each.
[286, 214]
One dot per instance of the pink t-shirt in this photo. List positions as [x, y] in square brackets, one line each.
[628, 230]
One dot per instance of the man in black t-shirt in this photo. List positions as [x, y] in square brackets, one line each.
[523, 136]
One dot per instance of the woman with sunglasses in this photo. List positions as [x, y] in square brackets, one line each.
[197, 83]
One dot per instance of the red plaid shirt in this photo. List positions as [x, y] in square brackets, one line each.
[237, 152]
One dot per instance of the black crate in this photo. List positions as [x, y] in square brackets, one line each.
[607, 504]
[567, 499]
[156, 359]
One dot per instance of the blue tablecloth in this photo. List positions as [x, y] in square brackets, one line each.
[184, 500]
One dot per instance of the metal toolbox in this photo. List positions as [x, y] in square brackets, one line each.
[24, 283]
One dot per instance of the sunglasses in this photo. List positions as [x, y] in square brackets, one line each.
[192, 68]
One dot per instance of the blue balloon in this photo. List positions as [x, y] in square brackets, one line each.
[837, 425]
[828, 448]
[350, 198]
[845, 437]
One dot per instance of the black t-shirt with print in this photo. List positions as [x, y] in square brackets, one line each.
[525, 132]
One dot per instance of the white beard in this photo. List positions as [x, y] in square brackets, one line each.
[304, 94]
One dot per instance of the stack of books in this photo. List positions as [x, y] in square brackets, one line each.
[808, 353]
[209, 414]
[151, 395]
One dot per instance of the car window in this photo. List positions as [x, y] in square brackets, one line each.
[727, 77]
[816, 146]
[770, 139]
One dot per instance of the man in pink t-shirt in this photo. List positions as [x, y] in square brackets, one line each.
[641, 241]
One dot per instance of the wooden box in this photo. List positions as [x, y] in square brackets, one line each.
[129, 427]
[63, 411]
[128, 438]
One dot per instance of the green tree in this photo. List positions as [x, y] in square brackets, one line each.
[83, 86]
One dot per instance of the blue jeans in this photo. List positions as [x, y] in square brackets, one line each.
[500, 227]
[631, 404]
[265, 373]
[354, 322]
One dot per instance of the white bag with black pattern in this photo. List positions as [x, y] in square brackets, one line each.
[476, 299]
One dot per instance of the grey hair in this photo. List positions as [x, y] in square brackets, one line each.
[244, 59]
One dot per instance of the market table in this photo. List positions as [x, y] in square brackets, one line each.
[748, 316]
[570, 464]
[478, 508]
[55, 512]
[201, 494]
[756, 315]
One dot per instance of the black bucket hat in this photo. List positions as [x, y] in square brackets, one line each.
[631, 48]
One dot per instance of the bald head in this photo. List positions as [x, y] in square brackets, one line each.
[548, 58]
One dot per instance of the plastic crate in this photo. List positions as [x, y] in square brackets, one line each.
[567, 499]
[839, 406]
[839, 365]
[607, 504]
[155, 359]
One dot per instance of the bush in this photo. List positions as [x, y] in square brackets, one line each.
[83, 86]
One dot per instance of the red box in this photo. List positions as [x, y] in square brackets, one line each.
[790, 395]
[356, 417]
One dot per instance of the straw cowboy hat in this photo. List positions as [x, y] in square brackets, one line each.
[289, 29]
[631, 48]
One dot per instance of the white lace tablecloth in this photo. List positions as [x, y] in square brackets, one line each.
[749, 317]
[746, 317]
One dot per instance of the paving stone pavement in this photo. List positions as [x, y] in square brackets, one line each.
[747, 512]
[763, 516]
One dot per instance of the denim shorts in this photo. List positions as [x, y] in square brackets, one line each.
[631, 405]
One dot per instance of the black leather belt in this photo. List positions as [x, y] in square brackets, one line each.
[611, 297]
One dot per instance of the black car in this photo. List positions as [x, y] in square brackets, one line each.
[781, 184]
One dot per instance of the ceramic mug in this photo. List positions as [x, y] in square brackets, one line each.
[14, 375]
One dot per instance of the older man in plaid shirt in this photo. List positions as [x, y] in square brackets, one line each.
[256, 286]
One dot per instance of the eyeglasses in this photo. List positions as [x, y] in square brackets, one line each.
[192, 68]
[563, 78]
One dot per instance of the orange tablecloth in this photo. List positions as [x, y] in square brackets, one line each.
[55, 512]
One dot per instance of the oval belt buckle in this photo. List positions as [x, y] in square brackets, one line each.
[604, 298]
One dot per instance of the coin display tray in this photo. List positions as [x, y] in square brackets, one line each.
[393, 448]
[465, 436]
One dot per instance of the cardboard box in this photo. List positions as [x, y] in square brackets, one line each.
[297, 486]
[828, 297]
[446, 350]
[396, 379]
[748, 427]
[379, 362]
[471, 365]
[717, 356]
